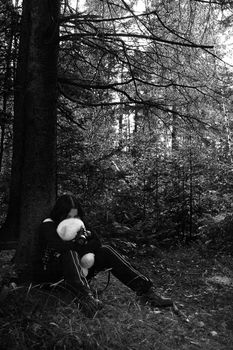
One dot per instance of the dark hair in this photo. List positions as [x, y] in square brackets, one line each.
[62, 207]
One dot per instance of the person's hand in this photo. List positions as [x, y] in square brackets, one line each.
[87, 233]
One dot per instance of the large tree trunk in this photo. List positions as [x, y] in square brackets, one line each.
[33, 180]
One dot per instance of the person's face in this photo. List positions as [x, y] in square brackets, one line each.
[73, 213]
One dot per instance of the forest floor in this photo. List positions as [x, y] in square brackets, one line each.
[200, 282]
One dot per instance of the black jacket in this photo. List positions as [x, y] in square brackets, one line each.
[49, 238]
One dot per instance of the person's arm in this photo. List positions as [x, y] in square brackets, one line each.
[49, 235]
[93, 243]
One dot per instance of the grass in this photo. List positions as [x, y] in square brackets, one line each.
[33, 318]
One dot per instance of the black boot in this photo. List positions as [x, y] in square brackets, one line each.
[151, 298]
[87, 303]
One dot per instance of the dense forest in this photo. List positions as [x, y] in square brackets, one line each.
[127, 104]
[143, 116]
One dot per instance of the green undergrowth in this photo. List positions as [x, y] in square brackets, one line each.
[202, 287]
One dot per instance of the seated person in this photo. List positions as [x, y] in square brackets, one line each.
[78, 262]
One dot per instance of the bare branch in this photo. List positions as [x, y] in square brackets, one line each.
[102, 36]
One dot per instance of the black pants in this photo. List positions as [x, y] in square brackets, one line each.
[68, 267]
[106, 257]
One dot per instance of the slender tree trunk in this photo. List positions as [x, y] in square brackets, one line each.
[136, 120]
[175, 143]
[190, 188]
[33, 179]
[120, 128]
[10, 229]
[228, 144]
[9, 41]
[2, 145]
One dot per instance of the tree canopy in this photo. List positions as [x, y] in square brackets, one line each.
[143, 114]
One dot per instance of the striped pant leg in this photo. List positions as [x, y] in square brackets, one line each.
[73, 274]
[106, 257]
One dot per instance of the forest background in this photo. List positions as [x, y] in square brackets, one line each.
[127, 107]
[144, 129]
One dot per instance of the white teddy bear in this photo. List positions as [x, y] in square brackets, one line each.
[74, 229]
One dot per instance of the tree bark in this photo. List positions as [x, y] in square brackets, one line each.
[9, 36]
[33, 177]
[5, 98]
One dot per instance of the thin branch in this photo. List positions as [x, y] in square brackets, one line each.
[135, 36]
[69, 117]
[96, 19]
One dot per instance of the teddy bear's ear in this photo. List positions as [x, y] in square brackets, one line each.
[68, 228]
[63, 230]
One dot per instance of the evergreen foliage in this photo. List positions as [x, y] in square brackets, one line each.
[144, 127]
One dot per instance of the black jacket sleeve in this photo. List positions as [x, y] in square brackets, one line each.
[49, 238]
[93, 243]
